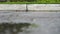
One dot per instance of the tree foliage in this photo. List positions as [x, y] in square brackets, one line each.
[22, 0]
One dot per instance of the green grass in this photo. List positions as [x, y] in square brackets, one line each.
[36, 2]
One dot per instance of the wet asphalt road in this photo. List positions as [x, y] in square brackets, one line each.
[48, 22]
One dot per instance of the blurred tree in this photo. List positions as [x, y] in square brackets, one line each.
[3, 0]
[22, 0]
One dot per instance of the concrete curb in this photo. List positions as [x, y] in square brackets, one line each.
[12, 7]
[44, 7]
[30, 6]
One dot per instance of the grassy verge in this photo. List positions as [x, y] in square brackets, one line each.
[36, 2]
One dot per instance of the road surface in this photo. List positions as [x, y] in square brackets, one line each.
[48, 22]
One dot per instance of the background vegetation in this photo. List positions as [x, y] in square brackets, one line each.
[31, 2]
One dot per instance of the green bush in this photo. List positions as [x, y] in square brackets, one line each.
[22, 0]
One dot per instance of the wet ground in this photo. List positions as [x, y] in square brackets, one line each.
[48, 22]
